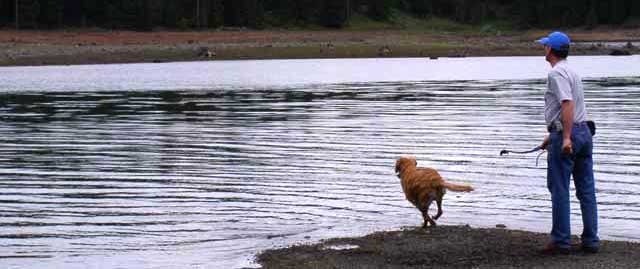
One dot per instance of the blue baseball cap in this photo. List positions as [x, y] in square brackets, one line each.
[556, 41]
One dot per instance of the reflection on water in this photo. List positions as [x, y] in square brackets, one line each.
[205, 179]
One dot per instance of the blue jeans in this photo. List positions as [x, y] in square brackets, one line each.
[559, 170]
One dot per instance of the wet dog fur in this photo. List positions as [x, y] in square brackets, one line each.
[422, 186]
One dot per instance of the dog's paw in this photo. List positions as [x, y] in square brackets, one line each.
[428, 225]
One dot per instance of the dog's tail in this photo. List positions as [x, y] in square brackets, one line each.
[455, 187]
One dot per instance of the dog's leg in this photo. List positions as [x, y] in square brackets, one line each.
[425, 213]
[440, 195]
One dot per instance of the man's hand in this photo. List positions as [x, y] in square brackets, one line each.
[545, 143]
[567, 147]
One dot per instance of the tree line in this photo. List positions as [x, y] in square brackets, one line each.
[258, 14]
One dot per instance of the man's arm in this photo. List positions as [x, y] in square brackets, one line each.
[568, 107]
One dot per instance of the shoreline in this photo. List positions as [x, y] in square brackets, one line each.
[447, 247]
[41, 48]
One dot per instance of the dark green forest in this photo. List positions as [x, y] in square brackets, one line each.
[259, 14]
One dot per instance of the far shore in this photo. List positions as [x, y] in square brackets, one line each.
[447, 247]
[27, 48]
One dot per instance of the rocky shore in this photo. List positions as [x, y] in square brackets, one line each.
[447, 247]
[102, 47]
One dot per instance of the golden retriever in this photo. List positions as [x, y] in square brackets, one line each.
[422, 186]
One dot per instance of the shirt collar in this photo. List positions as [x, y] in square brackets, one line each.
[560, 63]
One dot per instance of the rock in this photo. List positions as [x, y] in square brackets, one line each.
[501, 226]
[629, 46]
[620, 52]
[206, 53]
[433, 57]
[331, 46]
[328, 48]
[384, 51]
[457, 54]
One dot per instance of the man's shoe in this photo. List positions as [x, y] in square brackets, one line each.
[590, 250]
[553, 249]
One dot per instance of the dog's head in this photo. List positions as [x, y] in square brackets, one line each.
[405, 163]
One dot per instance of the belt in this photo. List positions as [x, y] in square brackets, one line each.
[556, 126]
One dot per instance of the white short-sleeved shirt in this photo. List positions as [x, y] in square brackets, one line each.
[564, 84]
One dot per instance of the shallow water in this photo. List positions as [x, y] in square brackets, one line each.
[113, 169]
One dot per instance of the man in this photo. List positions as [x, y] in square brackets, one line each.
[570, 149]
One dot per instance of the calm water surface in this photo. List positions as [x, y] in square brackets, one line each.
[202, 165]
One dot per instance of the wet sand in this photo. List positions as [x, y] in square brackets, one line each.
[447, 247]
[103, 47]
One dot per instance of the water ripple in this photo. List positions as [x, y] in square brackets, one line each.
[230, 172]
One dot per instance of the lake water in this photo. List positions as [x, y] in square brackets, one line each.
[202, 165]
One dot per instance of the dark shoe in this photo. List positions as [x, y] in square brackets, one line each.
[590, 250]
[553, 249]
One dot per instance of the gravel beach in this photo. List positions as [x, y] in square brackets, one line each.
[447, 247]
[18, 48]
